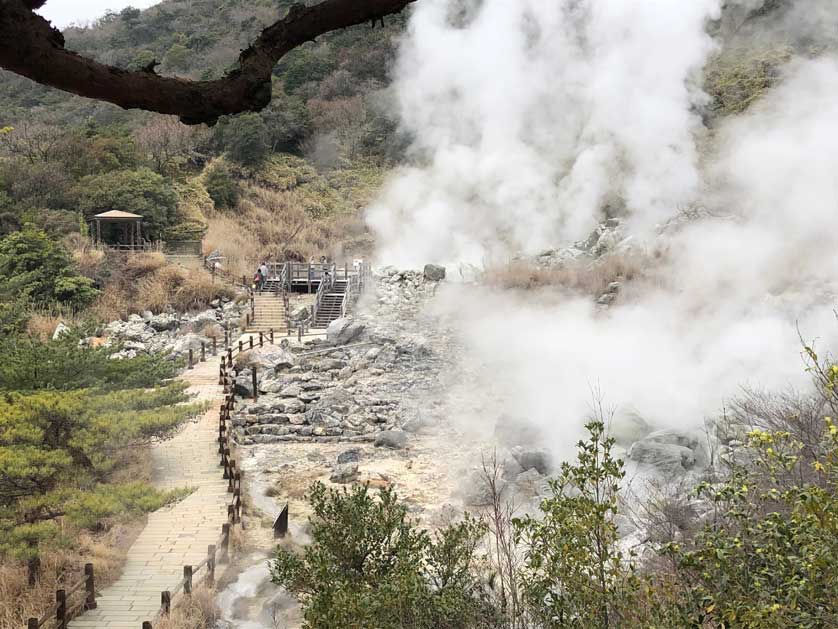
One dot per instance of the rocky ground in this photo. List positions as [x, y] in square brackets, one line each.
[172, 333]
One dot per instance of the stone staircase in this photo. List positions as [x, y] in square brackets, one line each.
[330, 305]
[268, 313]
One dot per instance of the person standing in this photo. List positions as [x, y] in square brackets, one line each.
[263, 269]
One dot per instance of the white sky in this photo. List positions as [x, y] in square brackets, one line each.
[62, 13]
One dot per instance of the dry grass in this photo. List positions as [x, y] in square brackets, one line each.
[197, 611]
[274, 224]
[583, 276]
[149, 284]
[42, 326]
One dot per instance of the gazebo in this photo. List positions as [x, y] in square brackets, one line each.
[122, 230]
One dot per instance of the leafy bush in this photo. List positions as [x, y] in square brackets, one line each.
[64, 364]
[573, 573]
[61, 446]
[140, 191]
[35, 267]
[767, 557]
[221, 186]
[244, 138]
[369, 566]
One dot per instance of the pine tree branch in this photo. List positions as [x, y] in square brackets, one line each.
[31, 47]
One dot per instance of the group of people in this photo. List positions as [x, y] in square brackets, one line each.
[260, 278]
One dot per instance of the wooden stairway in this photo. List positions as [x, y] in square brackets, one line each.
[268, 313]
[330, 305]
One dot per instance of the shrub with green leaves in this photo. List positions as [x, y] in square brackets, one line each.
[574, 574]
[35, 267]
[767, 557]
[369, 566]
[70, 417]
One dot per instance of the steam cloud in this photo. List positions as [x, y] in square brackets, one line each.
[531, 116]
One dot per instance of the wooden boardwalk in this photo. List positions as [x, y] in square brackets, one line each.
[178, 535]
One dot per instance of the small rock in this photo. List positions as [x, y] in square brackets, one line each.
[434, 272]
[395, 439]
[344, 330]
[344, 473]
[529, 458]
[352, 455]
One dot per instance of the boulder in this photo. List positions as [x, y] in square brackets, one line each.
[514, 431]
[627, 426]
[533, 458]
[434, 272]
[268, 357]
[353, 455]
[60, 330]
[475, 490]
[344, 473]
[668, 458]
[343, 330]
[394, 439]
[163, 322]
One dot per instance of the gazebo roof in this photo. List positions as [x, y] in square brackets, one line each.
[117, 214]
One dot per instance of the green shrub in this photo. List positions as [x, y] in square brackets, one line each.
[34, 267]
[369, 566]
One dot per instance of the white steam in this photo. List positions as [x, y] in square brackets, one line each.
[532, 117]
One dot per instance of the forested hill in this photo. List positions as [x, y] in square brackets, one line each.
[288, 181]
[322, 83]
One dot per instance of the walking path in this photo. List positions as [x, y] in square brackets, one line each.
[177, 535]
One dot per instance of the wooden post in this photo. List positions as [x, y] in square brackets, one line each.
[255, 383]
[225, 543]
[251, 341]
[34, 565]
[272, 336]
[241, 347]
[203, 351]
[187, 579]
[221, 373]
[281, 523]
[211, 564]
[191, 363]
[309, 278]
[232, 475]
[261, 339]
[61, 609]
[89, 587]
[231, 514]
[165, 602]
[247, 319]
[214, 346]
[300, 333]
[226, 461]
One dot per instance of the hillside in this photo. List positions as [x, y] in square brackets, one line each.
[289, 181]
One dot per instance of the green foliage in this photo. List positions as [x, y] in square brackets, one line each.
[140, 191]
[574, 575]
[63, 446]
[244, 138]
[189, 220]
[36, 268]
[221, 186]
[65, 363]
[767, 558]
[369, 566]
[736, 79]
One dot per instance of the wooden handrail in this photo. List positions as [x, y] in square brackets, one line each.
[218, 552]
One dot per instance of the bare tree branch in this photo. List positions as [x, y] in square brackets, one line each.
[31, 47]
